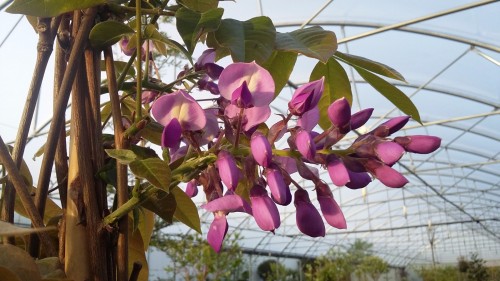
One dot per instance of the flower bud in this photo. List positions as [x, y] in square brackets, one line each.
[280, 191]
[217, 231]
[419, 143]
[305, 145]
[337, 170]
[308, 219]
[192, 188]
[358, 179]
[339, 113]
[261, 149]
[306, 97]
[389, 152]
[228, 171]
[329, 207]
[391, 126]
[359, 118]
[265, 212]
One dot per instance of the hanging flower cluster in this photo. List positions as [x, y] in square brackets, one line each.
[251, 174]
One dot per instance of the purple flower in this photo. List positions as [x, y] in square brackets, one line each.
[307, 217]
[228, 171]
[389, 152]
[339, 113]
[419, 144]
[181, 107]
[305, 145]
[191, 188]
[390, 126]
[359, 118]
[265, 211]
[171, 135]
[306, 97]
[329, 207]
[337, 170]
[261, 149]
[217, 231]
[205, 84]
[251, 117]
[385, 174]
[358, 179]
[280, 191]
[228, 203]
[259, 81]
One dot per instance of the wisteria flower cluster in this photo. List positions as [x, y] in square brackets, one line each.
[252, 174]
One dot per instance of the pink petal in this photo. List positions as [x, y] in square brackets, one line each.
[307, 217]
[389, 152]
[227, 204]
[191, 188]
[182, 106]
[265, 212]
[329, 207]
[217, 231]
[228, 170]
[259, 80]
[385, 174]
[280, 191]
[305, 145]
[419, 144]
[261, 149]
[309, 119]
[337, 170]
[255, 116]
[339, 113]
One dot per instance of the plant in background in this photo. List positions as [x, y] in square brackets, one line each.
[228, 146]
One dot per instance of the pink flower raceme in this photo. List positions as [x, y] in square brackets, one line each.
[307, 217]
[306, 97]
[246, 83]
[178, 112]
[264, 210]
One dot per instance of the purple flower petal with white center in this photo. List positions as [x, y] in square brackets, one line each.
[359, 118]
[280, 191]
[261, 149]
[228, 171]
[217, 231]
[305, 145]
[339, 113]
[171, 135]
[307, 217]
[242, 96]
[389, 152]
[259, 81]
[265, 212]
[337, 170]
[181, 106]
[191, 188]
[419, 143]
[306, 97]
[309, 119]
[391, 126]
[329, 208]
[358, 180]
[228, 203]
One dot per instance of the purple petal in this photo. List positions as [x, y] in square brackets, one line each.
[359, 118]
[305, 145]
[280, 191]
[337, 170]
[192, 188]
[183, 107]
[306, 97]
[228, 203]
[339, 113]
[259, 80]
[171, 135]
[208, 56]
[329, 208]
[255, 116]
[228, 170]
[308, 219]
[385, 174]
[419, 143]
[213, 70]
[358, 180]
[242, 96]
[389, 152]
[391, 126]
[309, 119]
[212, 128]
[261, 149]
[217, 231]
[205, 84]
[265, 211]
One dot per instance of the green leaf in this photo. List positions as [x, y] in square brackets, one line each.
[152, 132]
[393, 94]
[49, 8]
[337, 85]
[146, 225]
[314, 42]
[137, 254]
[191, 25]
[161, 203]
[154, 170]
[199, 5]
[186, 211]
[150, 32]
[124, 156]
[280, 65]
[247, 40]
[369, 65]
[107, 33]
